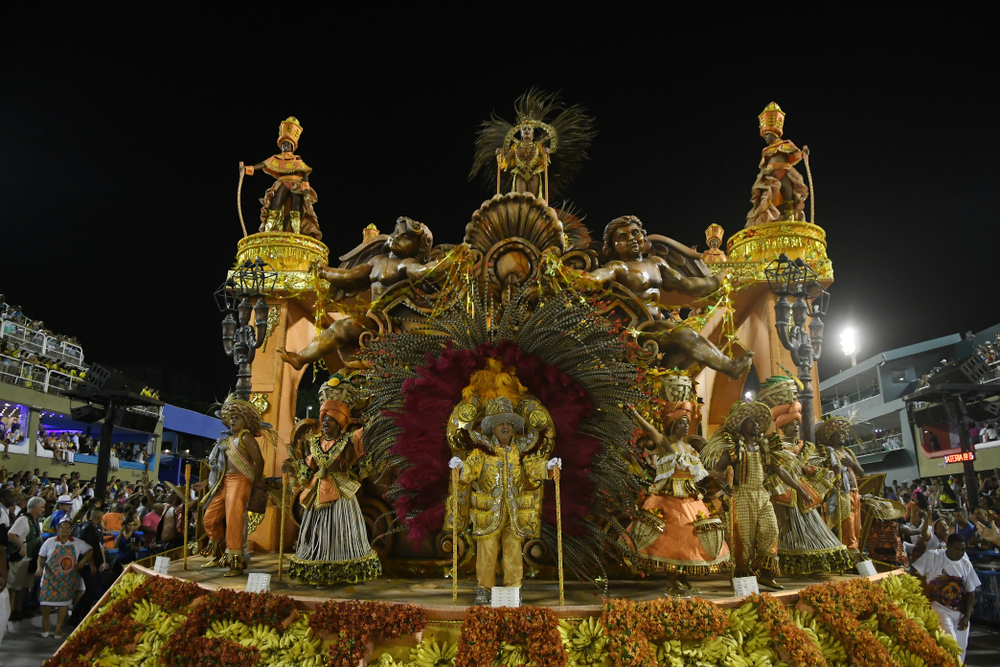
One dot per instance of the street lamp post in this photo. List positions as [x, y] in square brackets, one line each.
[788, 278]
[242, 294]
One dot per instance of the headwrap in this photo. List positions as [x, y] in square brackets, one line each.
[338, 411]
[785, 414]
[674, 410]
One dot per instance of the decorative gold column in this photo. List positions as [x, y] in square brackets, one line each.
[750, 250]
[289, 325]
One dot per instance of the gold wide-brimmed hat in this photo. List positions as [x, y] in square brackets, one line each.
[831, 426]
[778, 390]
[501, 411]
[756, 410]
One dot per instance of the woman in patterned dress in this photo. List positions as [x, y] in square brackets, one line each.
[333, 539]
[59, 562]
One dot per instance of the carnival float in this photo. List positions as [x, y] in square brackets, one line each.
[534, 446]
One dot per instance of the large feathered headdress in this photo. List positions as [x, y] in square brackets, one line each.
[568, 132]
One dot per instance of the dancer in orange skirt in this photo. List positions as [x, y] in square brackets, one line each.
[675, 532]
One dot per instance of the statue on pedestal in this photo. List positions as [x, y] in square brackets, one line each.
[647, 276]
[239, 490]
[376, 265]
[806, 545]
[501, 491]
[287, 205]
[333, 543]
[522, 152]
[676, 533]
[713, 236]
[844, 503]
[779, 193]
[741, 444]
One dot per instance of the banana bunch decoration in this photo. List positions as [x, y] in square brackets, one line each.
[907, 594]
[833, 651]
[428, 653]
[585, 643]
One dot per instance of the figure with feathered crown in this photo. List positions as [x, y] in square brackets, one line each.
[806, 545]
[741, 443]
[500, 485]
[523, 151]
[287, 205]
[377, 265]
[675, 532]
[779, 193]
[647, 276]
[240, 490]
[844, 502]
[333, 542]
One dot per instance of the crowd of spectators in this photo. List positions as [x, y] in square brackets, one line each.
[43, 516]
[29, 351]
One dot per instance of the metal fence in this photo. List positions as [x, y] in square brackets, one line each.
[883, 444]
[32, 376]
[36, 342]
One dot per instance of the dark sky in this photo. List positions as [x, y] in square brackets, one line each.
[122, 132]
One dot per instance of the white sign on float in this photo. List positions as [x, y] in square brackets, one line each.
[161, 565]
[745, 586]
[866, 568]
[258, 582]
[506, 596]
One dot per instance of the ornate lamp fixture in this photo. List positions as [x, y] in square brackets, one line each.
[240, 295]
[796, 279]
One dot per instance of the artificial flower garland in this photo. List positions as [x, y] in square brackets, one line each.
[361, 624]
[485, 629]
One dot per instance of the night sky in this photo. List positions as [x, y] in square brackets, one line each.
[122, 134]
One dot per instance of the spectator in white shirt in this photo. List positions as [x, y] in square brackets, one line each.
[950, 584]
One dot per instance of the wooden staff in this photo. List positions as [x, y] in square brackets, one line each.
[454, 536]
[239, 201]
[499, 162]
[812, 193]
[556, 474]
[281, 530]
[187, 497]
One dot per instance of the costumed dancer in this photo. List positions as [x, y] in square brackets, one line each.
[676, 533]
[506, 493]
[844, 502]
[333, 539]
[228, 502]
[291, 198]
[805, 543]
[741, 444]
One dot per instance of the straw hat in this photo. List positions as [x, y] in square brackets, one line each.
[756, 410]
[831, 426]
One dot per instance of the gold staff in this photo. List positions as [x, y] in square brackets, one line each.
[187, 496]
[281, 530]
[812, 193]
[546, 168]
[556, 474]
[239, 201]
[454, 536]
[499, 163]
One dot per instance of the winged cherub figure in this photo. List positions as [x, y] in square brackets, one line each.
[409, 248]
[647, 276]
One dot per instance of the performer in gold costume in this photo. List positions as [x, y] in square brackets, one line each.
[676, 533]
[505, 503]
[779, 193]
[287, 205]
[805, 543]
[741, 444]
[844, 503]
[226, 504]
[333, 543]
[713, 236]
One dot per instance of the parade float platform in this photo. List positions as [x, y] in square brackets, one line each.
[198, 618]
[582, 599]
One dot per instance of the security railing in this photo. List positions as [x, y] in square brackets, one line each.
[878, 445]
[32, 376]
[33, 341]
